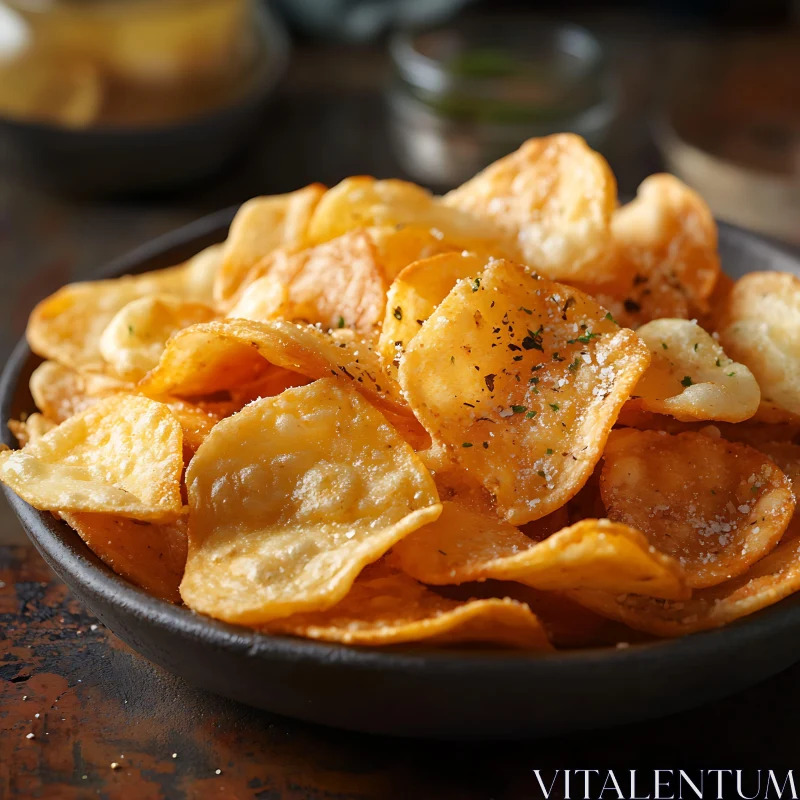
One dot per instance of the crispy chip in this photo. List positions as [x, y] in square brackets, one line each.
[691, 378]
[30, 429]
[385, 607]
[67, 326]
[365, 202]
[285, 510]
[768, 581]
[261, 225]
[60, 392]
[338, 284]
[760, 326]
[219, 356]
[668, 231]
[121, 456]
[414, 296]
[566, 623]
[520, 379]
[555, 197]
[134, 340]
[149, 555]
[714, 505]
[464, 545]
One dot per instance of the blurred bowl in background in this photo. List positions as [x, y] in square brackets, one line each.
[469, 93]
[134, 95]
[731, 129]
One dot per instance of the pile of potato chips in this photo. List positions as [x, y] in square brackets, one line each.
[518, 415]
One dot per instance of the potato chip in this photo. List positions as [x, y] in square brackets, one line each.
[520, 380]
[365, 202]
[464, 545]
[261, 225]
[555, 197]
[285, 510]
[668, 231]
[149, 555]
[567, 623]
[122, 456]
[691, 378]
[760, 326]
[134, 340]
[337, 284]
[415, 295]
[714, 505]
[774, 577]
[32, 428]
[220, 356]
[67, 326]
[385, 607]
[60, 392]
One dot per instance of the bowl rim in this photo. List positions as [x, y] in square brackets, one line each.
[75, 563]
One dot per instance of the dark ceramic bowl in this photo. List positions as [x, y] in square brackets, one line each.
[112, 160]
[412, 691]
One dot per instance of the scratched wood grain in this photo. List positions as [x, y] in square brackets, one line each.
[90, 702]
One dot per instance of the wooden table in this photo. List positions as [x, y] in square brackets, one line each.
[106, 723]
[90, 703]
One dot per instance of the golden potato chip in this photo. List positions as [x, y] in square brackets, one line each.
[60, 392]
[398, 246]
[366, 202]
[67, 326]
[134, 340]
[668, 231]
[385, 607]
[555, 197]
[464, 545]
[714, 505]
[32, 428]
[520, 380]
[285, 509]
[122, 456]
[337, 284]
[219, 356]
[149, 555]
[691, 378]
[567, 623]
[760, 326]
[261, 225]
[415, 295]
[768, 581]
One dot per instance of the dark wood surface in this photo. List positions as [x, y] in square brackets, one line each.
[90, 702]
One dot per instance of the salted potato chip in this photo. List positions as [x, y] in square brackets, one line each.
[669, 231]
[691, 378]
[32, 428]
[398, 246]
[122, 456]
[337, 284]
[465, 545]
[260, 226]
[714, 505]
[149, 555]
[555, 197]
[385, 606]
[134, 340]
[285, 509]
[67, 326]
[60, 392]
[520, 380]
[414, 296]
[219, 356]
[365, 202]
[760, 326]
[768, 581]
